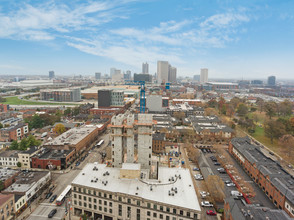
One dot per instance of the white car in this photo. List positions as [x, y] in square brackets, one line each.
[206, 204]
[236, 193]
[204, 194]
[198, 177]
[231, 184]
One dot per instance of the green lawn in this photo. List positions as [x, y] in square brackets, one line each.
[16, 101]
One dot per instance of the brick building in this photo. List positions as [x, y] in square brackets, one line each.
[78, 138]
[6, 206]
[7, 176]
[53, 159]
[268, 174]
[15, 132]
[158, 143]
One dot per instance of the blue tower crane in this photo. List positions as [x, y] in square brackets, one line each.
[142, 93]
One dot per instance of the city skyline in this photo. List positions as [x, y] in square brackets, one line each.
[231, 38]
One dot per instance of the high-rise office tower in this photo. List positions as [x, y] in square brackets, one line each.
[172, 75]
[97, 75]
[145, 68]
[271, 80]
[112, 72]
[51, 75]
[162, 71]
[204, 75]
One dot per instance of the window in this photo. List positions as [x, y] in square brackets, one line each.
[110, 204]
[85, 198]
[154, 206]
[85, 204]
[110, 196]
[110, 210]
[105, 209]
[148, 213]
[174, 211]
[195, 216]
[80, 203]
[154, 214]
[119, 210]
[95, 200]
[119, 199]
[90, 200]
[90, 206]
[167, 217]
[100, 202]
[89, 192]
[75, 196]
[167, 209]
[129, 212]
[181, 212]
[100, 208]
[129, 201]
[161, 208]
[105, 202]
[161, 216]
[148, 205]
[138, 203]
[188, 214]
[95, 207]
[99, 194]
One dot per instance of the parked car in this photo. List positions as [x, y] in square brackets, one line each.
[227, 181]
[198, 177]
[206, 204]
[236, 193]
[53, 198]
[217, 164]
[52, 213]
[77, 163]
[48, 195]
[210, 212]
[204, 194]
[196, 169]
[230, 184]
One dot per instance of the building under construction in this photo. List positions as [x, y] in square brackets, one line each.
[126, 133]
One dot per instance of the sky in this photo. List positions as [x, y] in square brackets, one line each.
[232, 38]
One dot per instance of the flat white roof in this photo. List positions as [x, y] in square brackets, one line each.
[185, 197]
[223, 83]
[131, 166]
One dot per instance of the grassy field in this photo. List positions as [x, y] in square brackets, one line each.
[16, 101]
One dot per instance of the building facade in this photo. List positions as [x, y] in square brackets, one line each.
[203, 75]
[145, 68]
[109, 193]
[271, 80]
[104, 98]
[61, 95]
[142, 77]
[162, 71]
[98, 75]
[172, 75]
[6, 206]
[14, 132]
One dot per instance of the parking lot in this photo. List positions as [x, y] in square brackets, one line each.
[260, 198]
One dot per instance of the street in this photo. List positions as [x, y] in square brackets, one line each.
[61, 179]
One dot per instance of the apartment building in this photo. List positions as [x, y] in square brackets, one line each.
[14, 132]
[7, 176]
[9, 158]
[268, 174]
[6, 206]
[61, 95]
[111, 193]
[158, 143]
[25, 157]
[78, 138]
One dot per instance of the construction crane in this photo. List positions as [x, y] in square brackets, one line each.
[142, 93]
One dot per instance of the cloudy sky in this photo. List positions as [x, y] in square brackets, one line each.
[232, 38]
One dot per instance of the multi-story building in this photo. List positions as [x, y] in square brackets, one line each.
[53, 158]
[111, 193]
[4, 107]
[154, 103]
[162, 71]
[104, 98]
[144, 129]
[117, 98]
[142, 77]
[6, 206]
[9, 158]
[271, 80]
[203, 76]
[14, 132]
[79, 138]
[25, 157]
[196, 78]
[172, 74]
[178, 108]
[98, 75]
[10, 121]
[51, 75]
[122, 136]
[145, 68]
[61, 95]
[221, 86]
[158, 143]
[268, 174]
[7, 176]
[29, 184]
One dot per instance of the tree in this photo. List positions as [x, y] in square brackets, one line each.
[67, 111]
[32, 141]
[1, 185]
[210, 111]
[18, 164]
[287, 143]
[1, 125]
[260, 104]
[270, 109]
[179, 115]
[230, 110]
[23, 145]
[235, 102]
[242, 110]
[215, 187]
[274, 129]
[59, 129]
[285, 108]
[212, 103]
[14, 145]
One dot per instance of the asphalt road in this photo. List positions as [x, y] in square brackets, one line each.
[260, 197]
[61, 180]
